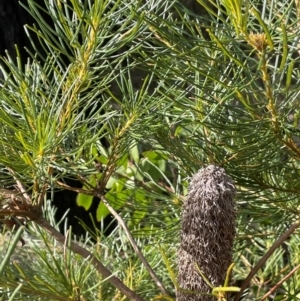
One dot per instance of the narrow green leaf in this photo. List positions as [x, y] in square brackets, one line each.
[11, 248]
[284, 47]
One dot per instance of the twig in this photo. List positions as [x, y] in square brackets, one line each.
[20, 186]
[28, 214]
[78, 190]
[41, 196]
[135, 246]
[275, 287]
[261, 262]
[33, 213]
[125, 228]
[116, 282]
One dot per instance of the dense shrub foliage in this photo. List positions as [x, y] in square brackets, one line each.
[130, 99]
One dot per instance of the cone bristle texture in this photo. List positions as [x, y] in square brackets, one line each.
[207, 234]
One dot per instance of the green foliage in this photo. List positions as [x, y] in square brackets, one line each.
[46, 270]
[132, 98]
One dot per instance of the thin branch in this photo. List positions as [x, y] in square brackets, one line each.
[78, 190]
[275, 287]
[16, 213]
[40, 200]
[83, 252]
[116, 282]
[33, 213]
[135, 246]
[20, 186]
[125, 228]
[262, 261]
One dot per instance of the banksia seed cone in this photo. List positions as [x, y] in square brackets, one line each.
[207, 234]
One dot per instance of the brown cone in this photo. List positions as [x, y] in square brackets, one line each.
[207, 234]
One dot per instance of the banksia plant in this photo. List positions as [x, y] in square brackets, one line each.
[207, 234]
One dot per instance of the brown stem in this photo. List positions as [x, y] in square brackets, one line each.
[116, 282]
[20, 186]
[262, 261]
[78, 190]
[125, 228]
[85, 253]
[275, 287]
[135, 246]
